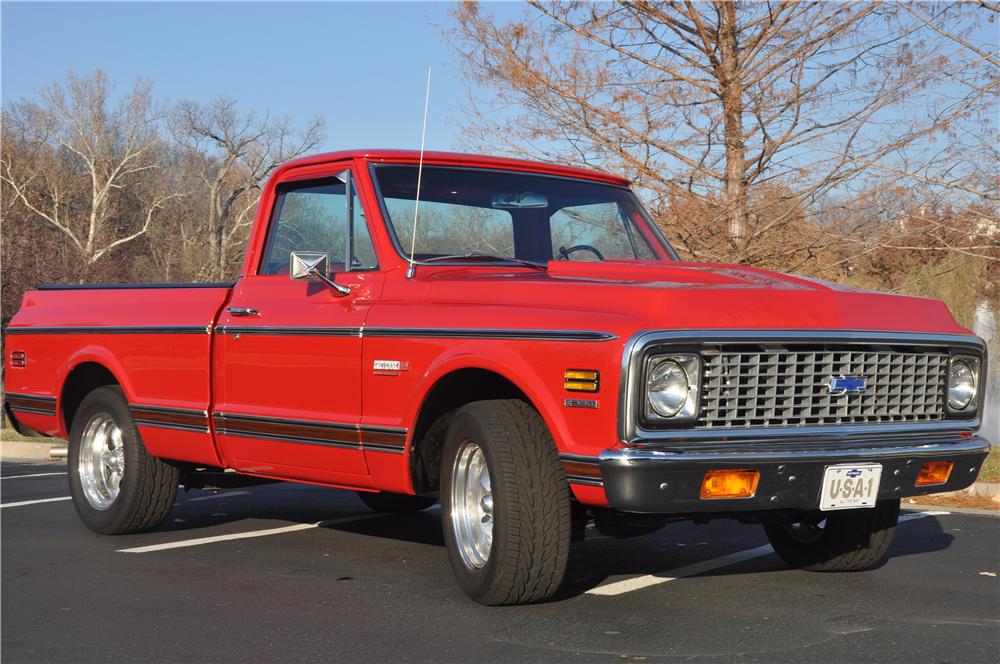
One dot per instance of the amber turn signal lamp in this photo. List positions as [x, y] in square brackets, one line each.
[729, 484]
[934, 472]
[580, 380]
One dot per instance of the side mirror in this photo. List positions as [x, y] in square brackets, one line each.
[314, 266]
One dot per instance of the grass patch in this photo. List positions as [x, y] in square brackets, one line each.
[11, 436]
[990, 471]
[8, 435]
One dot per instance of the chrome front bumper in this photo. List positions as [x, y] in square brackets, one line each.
[668, 481]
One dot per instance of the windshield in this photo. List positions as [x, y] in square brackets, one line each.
[488, 215]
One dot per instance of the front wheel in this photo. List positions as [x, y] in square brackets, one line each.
[117, 486]
[505, 504]
[843, 541]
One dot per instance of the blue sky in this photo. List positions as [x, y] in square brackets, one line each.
[361, 66]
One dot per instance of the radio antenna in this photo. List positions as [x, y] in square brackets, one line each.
[420, 174]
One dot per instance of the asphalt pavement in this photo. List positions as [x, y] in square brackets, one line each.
[287, 572]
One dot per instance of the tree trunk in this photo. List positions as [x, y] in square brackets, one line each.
[216, 231]
[731, 91]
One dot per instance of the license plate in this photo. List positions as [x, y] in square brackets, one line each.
[850, 487]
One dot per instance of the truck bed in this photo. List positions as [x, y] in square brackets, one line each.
[65, 330]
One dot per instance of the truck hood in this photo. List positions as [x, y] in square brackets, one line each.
[629, 296]
[683, 275]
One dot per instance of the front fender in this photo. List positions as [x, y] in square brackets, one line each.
[537, 371]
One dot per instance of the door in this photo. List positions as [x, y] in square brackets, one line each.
[288, 352]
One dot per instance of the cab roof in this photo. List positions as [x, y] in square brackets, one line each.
[456, 159]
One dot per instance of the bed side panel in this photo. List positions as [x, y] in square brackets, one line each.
[155, 341]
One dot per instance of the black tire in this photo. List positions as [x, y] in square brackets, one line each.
[530, 503]
[395, 502]
[148, 484]
[849, 541]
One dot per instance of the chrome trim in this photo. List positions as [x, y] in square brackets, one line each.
[378, 447]
[41, 398]
[628, 456]
[137, 286]
[141, 416]
[314, 266]
[170, 425]
[229, 424]
[421, 333]
[630, 433]
[588, 481]
[377, 429]
[36, 404]
[242, 311]
[283, 187]
[290, 331]
[169, 410]
[473, 333]
[235, 417]
[29, 409]
[302, 440]
[110, 329]
[979, 376]
[400, 251]
[335, 288]
[580, 458]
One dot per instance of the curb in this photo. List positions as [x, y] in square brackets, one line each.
[20, 450]
[985, 489]
[919, 507]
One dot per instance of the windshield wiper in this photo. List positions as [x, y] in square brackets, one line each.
[479, 256]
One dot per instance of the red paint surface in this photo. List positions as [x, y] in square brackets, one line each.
[331, 379]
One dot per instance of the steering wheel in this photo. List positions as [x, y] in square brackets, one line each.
[564, 252]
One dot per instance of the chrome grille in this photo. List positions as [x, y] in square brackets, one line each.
[751, 385]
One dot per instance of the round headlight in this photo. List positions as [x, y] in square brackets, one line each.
[667, 388]
[961, 385]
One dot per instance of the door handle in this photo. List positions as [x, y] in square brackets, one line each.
[242, 311]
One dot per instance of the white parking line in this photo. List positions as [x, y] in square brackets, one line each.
[246, 535]
[640, 582]
[35, 502]
[225, 494]
[17, 477]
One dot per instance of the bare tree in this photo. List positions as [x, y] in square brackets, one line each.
[75, 157]
[232, 153]
[716, 106]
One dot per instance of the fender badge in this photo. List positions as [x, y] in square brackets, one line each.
[581, 403]
[390, 367]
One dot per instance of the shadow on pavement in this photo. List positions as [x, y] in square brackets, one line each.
[591, 562]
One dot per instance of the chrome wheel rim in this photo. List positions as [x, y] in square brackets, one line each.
[472, 505]
[101, 461]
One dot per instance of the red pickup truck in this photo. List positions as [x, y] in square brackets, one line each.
[539, 359]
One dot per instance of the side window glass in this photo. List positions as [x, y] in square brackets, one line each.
[313, 216]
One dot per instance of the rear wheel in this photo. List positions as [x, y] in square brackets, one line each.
[844, 541]
[505, 504]
[117, 486]
[395, 502]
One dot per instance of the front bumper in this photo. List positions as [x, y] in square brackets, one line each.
[669, 481]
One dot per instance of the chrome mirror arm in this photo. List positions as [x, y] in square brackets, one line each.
[337, 289]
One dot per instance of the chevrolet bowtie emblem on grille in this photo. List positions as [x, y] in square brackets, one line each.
[847, 384]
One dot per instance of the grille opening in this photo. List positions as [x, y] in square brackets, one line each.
[781, 385]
